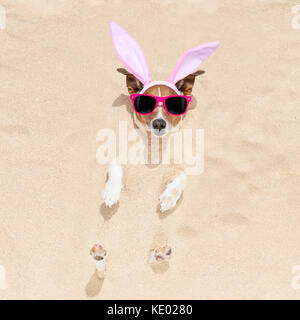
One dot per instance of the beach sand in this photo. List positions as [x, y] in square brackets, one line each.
[235, 233]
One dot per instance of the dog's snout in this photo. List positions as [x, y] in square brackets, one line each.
[159, 124]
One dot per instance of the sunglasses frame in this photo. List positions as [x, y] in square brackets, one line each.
[161, 99]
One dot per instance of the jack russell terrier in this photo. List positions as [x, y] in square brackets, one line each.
[159, 106]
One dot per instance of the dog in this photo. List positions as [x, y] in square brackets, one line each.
[159, 106]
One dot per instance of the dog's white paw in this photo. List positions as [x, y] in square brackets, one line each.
[111, 194]
[113, 186]
[172, 193]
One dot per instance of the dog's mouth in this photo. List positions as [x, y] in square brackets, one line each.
[159, 133]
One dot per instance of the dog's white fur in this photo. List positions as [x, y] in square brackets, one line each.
[100, 267]
[172, 193]
[113, 186]
[97, 251]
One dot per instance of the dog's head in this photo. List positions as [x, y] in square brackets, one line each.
[159, 122]
[138, 78]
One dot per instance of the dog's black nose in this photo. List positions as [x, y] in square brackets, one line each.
[159, 124]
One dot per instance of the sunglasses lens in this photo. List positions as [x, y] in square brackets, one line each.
[176, 105]
[144, 104]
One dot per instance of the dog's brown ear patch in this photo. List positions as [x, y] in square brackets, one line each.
[134, 85]
[186, 84]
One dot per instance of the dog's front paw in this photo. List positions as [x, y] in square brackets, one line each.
[172, 193]
[111, 194]
[113, 186]
[168, 199]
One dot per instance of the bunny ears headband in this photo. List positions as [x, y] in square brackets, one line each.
[135, 61]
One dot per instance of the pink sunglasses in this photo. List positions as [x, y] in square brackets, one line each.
[146, 104]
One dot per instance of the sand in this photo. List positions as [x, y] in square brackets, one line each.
[235, 233]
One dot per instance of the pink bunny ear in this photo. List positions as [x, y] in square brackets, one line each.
[130, 53]
[191, 60]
